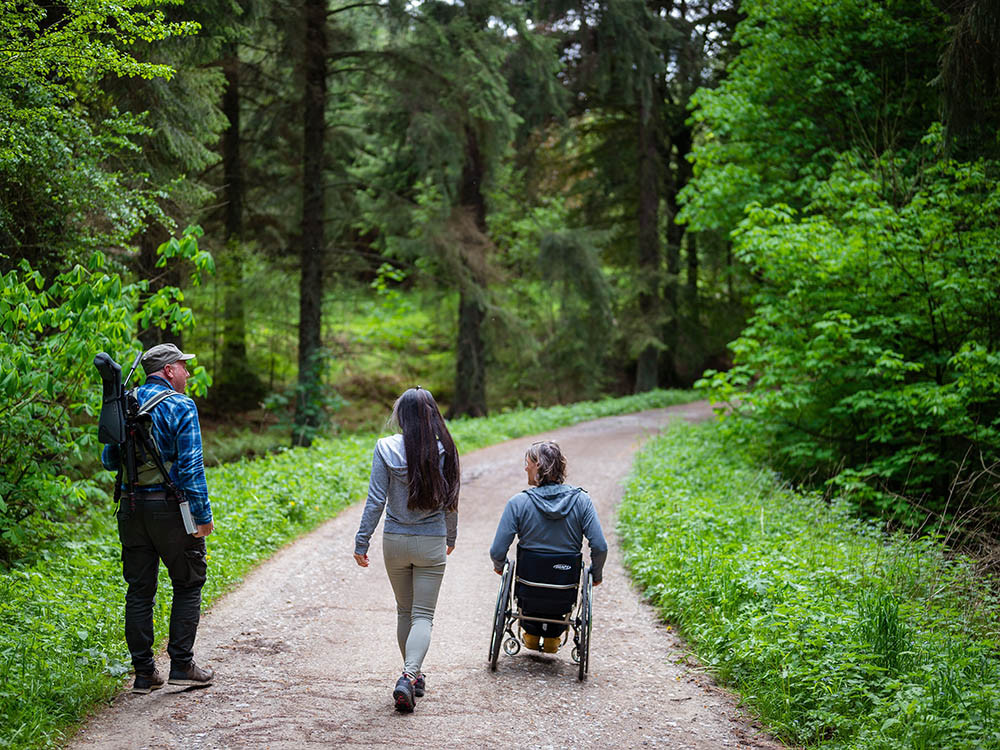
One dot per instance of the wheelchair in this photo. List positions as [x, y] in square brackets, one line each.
[549, 593]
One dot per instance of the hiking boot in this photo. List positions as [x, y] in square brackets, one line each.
[191, 675]
[550, 645]
[419, 685]
[404, 695]
[530, 641]
[146, 682]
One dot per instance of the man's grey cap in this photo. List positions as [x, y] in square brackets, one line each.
[160, 355]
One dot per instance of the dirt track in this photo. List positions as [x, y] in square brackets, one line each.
[306, 655]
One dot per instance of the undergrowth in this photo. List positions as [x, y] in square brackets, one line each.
[838, 635]
[62, 648]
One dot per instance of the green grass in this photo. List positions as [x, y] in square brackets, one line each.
[836, 634]
[62, 651]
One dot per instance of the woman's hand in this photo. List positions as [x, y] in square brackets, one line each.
[450, 550]
[361, 560]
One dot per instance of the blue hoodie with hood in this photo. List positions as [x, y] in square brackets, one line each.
[551, 518]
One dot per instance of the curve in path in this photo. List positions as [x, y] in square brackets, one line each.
[306, 655]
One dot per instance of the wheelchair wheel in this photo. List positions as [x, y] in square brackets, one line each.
[586, 616]
[500, 615]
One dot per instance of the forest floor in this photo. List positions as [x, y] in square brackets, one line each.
[306, 655]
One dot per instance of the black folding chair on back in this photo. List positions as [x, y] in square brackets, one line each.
[545, 595]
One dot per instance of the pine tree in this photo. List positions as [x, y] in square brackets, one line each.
[450, 121]
[313, 243]
[640, 95]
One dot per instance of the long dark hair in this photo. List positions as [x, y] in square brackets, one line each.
[431, 486]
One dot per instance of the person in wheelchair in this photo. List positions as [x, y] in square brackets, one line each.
[550, 517]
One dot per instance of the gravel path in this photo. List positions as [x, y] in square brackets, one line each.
[306, 655]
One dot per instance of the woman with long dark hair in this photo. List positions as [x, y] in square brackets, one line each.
[415, 480]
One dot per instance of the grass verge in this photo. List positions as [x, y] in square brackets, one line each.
[836, 634]
[62, 649]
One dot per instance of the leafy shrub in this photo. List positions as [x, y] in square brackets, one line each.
[839, 636]
[873, 356]
[64, 187]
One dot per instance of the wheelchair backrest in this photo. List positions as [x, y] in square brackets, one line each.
[546, 581]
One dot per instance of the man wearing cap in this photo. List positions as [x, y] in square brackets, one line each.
[154, 530]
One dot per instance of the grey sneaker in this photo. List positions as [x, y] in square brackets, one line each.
[191, 675]
[146, 682]
[403, 694]
[419, 685]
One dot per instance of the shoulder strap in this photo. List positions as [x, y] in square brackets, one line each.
[159, 397]
[153, 451]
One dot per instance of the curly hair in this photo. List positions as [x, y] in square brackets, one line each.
[550, 461]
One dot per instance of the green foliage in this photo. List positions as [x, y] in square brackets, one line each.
[315, 403]
[813, 78]
[49, 390]
[554, 321]
[446, 107]
[873, 354]
[62, 649]
[51, 334]
[43, 43]
[60, 196]
[181, 109]
[384, 343]
[837, 635]
[379, 339]
[547, 345]
[229, 443]
[271, 315]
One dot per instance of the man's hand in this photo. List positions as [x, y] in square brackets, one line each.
[204, 529]
[361, 560]
[498, 572]
[596, 583]
[450, 549]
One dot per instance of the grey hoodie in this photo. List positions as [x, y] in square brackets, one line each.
[551, 518]
[388, 490]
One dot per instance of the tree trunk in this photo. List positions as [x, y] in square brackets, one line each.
[671, 364]
[671, 329]
[649, 246]
[470, 380]
[470, 351]
[683, 142]
[308, 407]
[681, 357]
[236, 385]
[692, 281]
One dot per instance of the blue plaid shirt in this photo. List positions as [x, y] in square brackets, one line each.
[177, 433]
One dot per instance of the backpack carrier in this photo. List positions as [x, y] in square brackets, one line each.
[126, 424]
